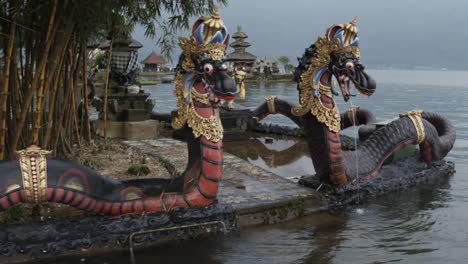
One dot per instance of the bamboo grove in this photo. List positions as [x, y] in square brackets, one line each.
[45, 59]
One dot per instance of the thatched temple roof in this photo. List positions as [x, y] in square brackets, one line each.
[241, 56]
[134, 44]
[154, 58]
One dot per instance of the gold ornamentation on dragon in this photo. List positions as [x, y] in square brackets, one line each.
[202, 98]
[190, 47]
[416, 118]
[33, 165]
[210, 127]
[307, 84]
[271, 104]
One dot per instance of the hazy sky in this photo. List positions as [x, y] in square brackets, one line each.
[391, 32]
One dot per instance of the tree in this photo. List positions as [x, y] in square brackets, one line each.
[288, 68]
[284, 60]
[274, 67]
[99, 60]
[45, 45]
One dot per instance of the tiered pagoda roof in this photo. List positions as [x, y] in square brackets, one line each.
[239, 45]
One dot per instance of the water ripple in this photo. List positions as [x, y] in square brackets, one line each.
[422, 225]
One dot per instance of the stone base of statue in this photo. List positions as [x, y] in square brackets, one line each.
[129, 130]
[128, 114]
[128, 103]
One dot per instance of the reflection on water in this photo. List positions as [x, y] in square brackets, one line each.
[289, 157]
[422, 225]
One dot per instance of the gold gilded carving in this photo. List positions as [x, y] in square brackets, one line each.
[325, 90]
[352, 49]
[216, 51]
[271, 104]
[416, 118]
[212, 25]
[210, 127]
[33, 165]
[329, 116]
[309, 102]
[324, 48]
[202, 98]
[190, 47]
[307, 85]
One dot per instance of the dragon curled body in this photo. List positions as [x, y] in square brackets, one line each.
[201, 85]
[337, 55]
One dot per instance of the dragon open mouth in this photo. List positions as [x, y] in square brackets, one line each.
[215, 100]
[360, 80]
[344, 81]
[222, 87]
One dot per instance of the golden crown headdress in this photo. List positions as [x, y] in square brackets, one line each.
[209, 35]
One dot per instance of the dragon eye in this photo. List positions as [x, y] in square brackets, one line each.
[349, 65]
[208, 68]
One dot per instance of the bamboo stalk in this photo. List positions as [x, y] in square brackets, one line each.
[60, 101]
[39, 109]
[62, 38]
[65, 99]
[53, 95]
[15, 95]
[50, 122]
[28, 99]
[85, 95]
[3, 115]
[106, 87]
[74, 107]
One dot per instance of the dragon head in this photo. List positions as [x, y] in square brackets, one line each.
[201, 82]
[337, 54]
[344, 60]
[203, 58]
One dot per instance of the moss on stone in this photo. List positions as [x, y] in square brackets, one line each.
[138, 169]
[18, 213]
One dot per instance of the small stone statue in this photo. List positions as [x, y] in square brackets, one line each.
[239, 77]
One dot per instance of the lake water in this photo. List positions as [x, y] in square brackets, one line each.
[423, 225]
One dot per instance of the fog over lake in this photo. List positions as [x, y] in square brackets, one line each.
[398, 33]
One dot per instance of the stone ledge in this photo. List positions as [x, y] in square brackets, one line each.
[132, 130]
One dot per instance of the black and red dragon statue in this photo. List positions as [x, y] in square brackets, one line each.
[337, 55]
[202, 84]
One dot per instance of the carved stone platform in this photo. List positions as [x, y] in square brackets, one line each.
[248, 196]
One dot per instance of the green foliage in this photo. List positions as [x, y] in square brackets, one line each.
[138, 169]
[161, 19]
[283, 60]
[99, 60]
[48, 45]
[288, 68]
[16, 214]
[274, 67]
